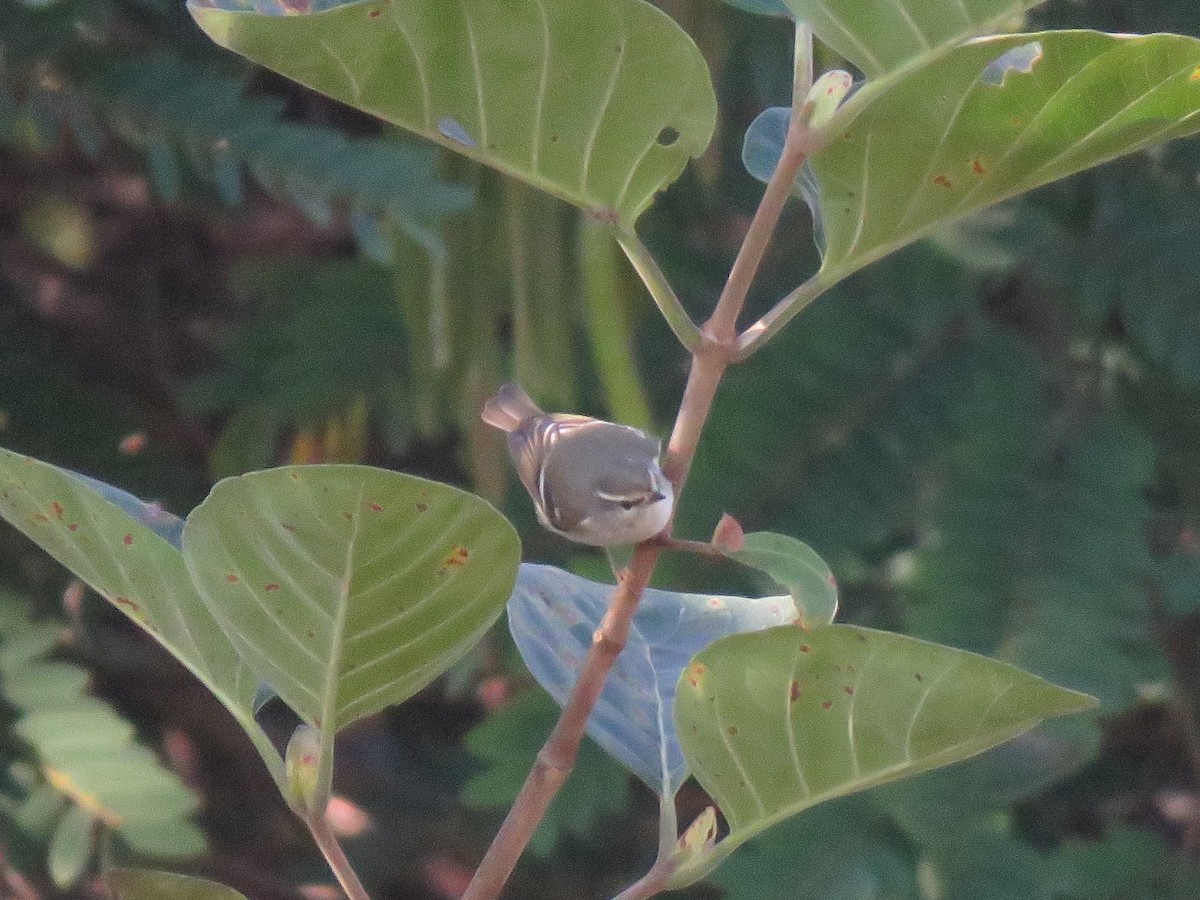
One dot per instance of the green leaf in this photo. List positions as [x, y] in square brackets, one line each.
[349, 588]
[776, 721]
[143, 884]
[884, 35]
[600, 102]
[797, 567]
[135, 569]
[71, 846]
[990, 120]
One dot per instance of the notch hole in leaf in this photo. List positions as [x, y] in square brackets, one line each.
[667, 136]
[1019, 59]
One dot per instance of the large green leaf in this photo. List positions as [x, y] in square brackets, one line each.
[120, 547]
[600, 102]
[880, 36]
[776, 721]
[991, 119]
[349, 588]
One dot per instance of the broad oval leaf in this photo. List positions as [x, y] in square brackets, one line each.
[881, 36]
[798, 568]
[349, 588]
[124, 549]
[145, 884]
[599, 102]
[553, 616]
[990, 120]
[777, 721]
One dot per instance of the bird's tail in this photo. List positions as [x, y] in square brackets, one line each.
[510, 408]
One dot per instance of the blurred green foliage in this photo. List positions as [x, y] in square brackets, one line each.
[992, 437]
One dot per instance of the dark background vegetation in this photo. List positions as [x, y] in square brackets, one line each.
[994, 437]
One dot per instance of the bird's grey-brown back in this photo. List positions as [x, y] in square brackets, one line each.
[615, 457]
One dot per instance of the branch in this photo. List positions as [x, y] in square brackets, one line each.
[715, 347]
[331, 849]
[754, 337]
[723, 324]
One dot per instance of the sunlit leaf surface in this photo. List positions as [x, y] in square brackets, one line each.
[991, 120]
[880, 36]
[600, 102]
[349, 588]
[777, 721]
[125, 550]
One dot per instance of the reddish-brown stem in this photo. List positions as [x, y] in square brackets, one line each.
[722, 327]
[331, 849]
[709, 361]
[651, 883]
[557, 757]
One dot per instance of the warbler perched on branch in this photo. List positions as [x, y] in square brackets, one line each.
[591, 481]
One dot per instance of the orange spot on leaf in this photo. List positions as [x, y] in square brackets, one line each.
[942, 181]
[825, 704]
[126, 602]
[374, 14]
[231, 578]
[375, 507]
[849, 690]
[271, 587]
[732, 730]
[1195, 76]
[127, 540]
[977, 167]
[57, 508]
[804, 648]
[41, 517]
[795, 691]
[74, 526]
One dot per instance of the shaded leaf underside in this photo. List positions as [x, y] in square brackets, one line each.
[553, 616]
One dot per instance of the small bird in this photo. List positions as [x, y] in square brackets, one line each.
[591, 481]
